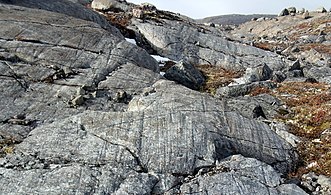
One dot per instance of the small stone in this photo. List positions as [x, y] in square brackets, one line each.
[148, 6]
[295, 49]
[311, 80]
[77, 101]
[138, 13]
[295, 66]
[19, 116]
[292, 10]
[260, 19]
[68, 71]
[121, 96]
[320, 39]
[302, 11]
[306, 15]
[278, 76]
[80, 91]
[148, 91]
[258, 112]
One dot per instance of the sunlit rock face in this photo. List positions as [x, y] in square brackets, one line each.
[108, 97]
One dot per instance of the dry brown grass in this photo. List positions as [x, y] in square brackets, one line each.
[119, 19]
[321, 48]
[270, 46]
[217, 77]
[259, 90]
[310, 118]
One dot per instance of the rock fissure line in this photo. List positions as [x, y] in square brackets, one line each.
[50, 45]
[137, 159]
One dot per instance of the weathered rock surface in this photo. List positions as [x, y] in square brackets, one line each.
[181, 41]
[73, 9]
[237, 175]
[247, 106]
[86, 112]
[174, 131]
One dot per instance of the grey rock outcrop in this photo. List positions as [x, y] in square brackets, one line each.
[246, 105]
[68, 8]
[185, 74]
[86, 112]
[181, 41]
[237, 168]
[185, 130]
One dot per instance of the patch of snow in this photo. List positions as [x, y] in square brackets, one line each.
[162, 73]
[131, 41]
[160, 58]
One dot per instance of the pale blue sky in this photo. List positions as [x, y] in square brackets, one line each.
[204, 8]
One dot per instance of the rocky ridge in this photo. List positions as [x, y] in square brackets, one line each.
[87, 112]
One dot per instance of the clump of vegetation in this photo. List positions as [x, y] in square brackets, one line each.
[119, 19]
[217, 77]
[271, 46]
[7, 146]
[259, 90]
[310, 118]
[321, 48]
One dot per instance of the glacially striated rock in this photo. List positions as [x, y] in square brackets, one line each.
[68, 8]
[178, 40]
[130, 131]
[238, 175]
[173, 131]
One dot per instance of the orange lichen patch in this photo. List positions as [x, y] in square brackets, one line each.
[217, 77]
[310, 118]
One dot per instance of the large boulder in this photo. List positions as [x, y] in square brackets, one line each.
[185, 74]
[284, 12]
[103, 4]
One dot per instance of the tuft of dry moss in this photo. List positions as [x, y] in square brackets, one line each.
[217, 77]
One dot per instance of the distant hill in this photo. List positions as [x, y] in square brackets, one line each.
[232, 18]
